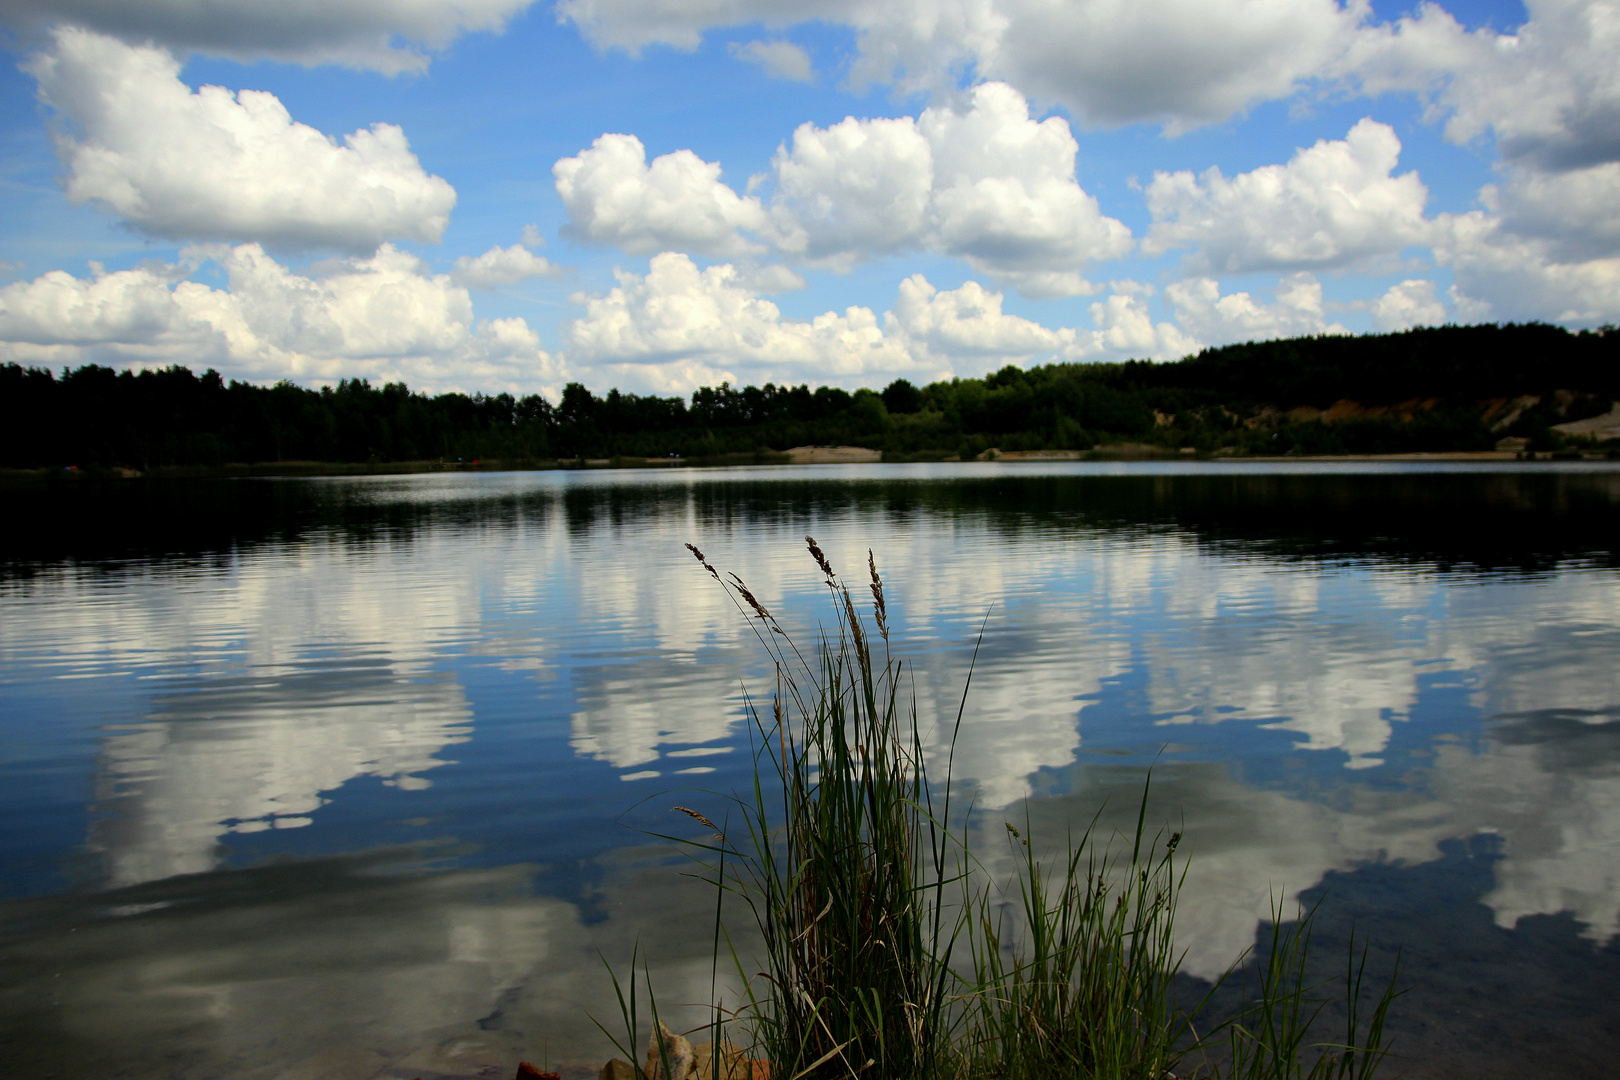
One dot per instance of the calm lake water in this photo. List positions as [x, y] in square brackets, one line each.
[352, 777]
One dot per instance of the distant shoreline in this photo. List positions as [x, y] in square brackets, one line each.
[797, 456]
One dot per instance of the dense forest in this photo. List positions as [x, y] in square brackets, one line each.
[1446, 388]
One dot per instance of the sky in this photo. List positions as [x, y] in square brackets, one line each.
[506, 195]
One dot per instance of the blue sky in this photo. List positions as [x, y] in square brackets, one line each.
[660, 194]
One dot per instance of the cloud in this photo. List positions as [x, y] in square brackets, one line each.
[780, 59]
[985, 183]
[1546, 245]
[1180, 62]
[768, 278]
[381, 317]
[851, 191]
[677, 326]
[1005, 198]
[614, 197]
[1500, 275]
[503, 266]
[1549, 92]
[1204, 313]
[214, 165]
[1124, 329]
[1576, 212]
[127, 307]
[679, 314]
[373, 34]
[620, 723]
[261, 757]
[1334, 204]
[965, 323]
[1411, 303]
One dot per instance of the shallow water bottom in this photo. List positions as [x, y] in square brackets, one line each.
[396, 974]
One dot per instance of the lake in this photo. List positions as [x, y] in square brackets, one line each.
[354, 777]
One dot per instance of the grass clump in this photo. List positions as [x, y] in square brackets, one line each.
[842, 858]
[1079, 980]
[1267, 1038]
[887, 954]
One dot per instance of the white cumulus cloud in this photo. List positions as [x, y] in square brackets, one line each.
[1005, 198]
[853, 190]
[381, 317]
[126, 307]
[503, 266]
[1123, 329]
[1204, 313]
[614, 197]
[679, 326]
[677, 313]
[210, 164]
[1334, 204]
[376, 34]
[985, 183]
[1411, 303]
[966, 323]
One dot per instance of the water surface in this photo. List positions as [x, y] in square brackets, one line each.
[351, 776]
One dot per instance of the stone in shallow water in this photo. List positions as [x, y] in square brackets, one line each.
[675, 1050]
[718, 1061]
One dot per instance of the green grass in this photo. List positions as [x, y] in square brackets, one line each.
[1087, 985]
[842, 860]
[888, 952]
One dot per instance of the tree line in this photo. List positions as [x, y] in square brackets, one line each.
[1248, 397]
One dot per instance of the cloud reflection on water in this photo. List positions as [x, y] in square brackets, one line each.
[330, 663]
[256, 752]
[1315, 715]
[249, 971]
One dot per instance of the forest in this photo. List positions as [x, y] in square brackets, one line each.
[1432, 389]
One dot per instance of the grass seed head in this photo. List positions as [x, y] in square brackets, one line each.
[879, 607]
[712, 571]
[821, 559]
[742, 590]
[689, 812]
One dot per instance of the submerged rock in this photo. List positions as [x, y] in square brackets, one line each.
[723, 1060]
[663, 1045]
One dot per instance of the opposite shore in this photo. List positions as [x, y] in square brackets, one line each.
[802, 455]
